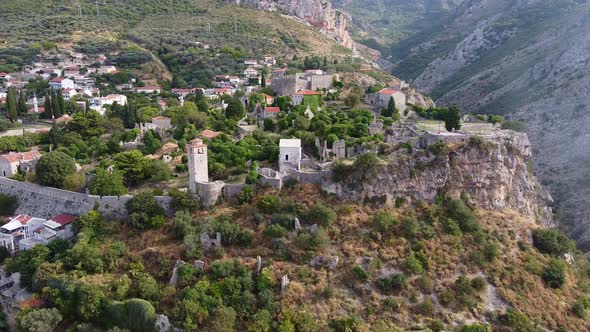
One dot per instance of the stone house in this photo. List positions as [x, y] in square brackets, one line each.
[381, 98]
[11, 162]
[279, 73]
[290, 155]
[198, 169]
[267, 112]
[159, 124]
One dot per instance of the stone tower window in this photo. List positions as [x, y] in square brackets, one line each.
[200, 151]
[287, 157]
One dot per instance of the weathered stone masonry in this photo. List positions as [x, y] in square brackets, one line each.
[46, 202]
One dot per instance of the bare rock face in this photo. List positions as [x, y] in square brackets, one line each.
[319, 13]
[492, 172]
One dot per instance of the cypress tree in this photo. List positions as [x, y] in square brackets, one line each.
[263, 80]
[22, 104]
[55, 110]
[87, 106]
[392, 110]
[61, 102]
[11, 105]
[48, 112]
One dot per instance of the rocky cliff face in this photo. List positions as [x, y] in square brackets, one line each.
[318, 13]
[528, 60]
[492, 171]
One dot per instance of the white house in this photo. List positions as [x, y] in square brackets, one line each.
[18, 228]
[11, 162]
[58, 227]
[5, 76]
[289, 155]
[250, 72]
[147, 89]
[69, 93]
[61, 83]
[98, 104]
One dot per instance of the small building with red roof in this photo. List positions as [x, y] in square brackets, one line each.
[11, 162]
[210, 134]
[62, 225]
[61, 83]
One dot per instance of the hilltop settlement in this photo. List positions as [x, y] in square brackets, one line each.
[284, 195]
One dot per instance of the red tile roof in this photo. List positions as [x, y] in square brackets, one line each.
[210, 133]
[23, 218]
[64, 219]
[272, 110]
[159, 117]
[387, 91]
[21, 156]
[57, 79]
[307, 92]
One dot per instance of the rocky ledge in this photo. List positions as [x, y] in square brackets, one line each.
[491, 171]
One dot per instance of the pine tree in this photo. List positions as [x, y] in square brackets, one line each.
[11, 105]
[22, 104]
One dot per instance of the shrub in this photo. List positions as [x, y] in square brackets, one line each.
[413, 264]
[383, 221]
[476, 328]
[393, 283]
[439, 149]
[460, 212]
[410, 227]
[425, 308]
[274, 232]
[436, 325]
[267, 204]
[346, 324]
[517, 321]
[321, 215]
[286, 220]
[246, 195]
[8, 205]
[452, 227]
[579, 308]
[551, 241]
[554, 274]
[391, 303]
[478, 284]
[360, 273]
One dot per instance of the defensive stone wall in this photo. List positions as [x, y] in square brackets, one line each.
[231, 191]
[47, 202]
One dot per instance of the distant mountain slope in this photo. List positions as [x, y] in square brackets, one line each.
[173, 24]
[529, 59]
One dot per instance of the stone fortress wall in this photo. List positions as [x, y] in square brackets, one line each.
[47, 202]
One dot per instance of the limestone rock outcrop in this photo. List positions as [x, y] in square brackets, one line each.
[492, 171]
[319, 13]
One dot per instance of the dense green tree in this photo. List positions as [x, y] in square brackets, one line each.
[391, 111]
[555, 273]
[235, 109]
[151, 142]
[552, 241]
[145, 211]
[48, 113]
[453, 119]
[52, 168]
[107, 183]
[22, 103]
[12, 105]
[39, 320]
[131, 164]
[383, 222]
[26, 262]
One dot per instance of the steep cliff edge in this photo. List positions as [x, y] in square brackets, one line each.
[319, 13]
[491, 171]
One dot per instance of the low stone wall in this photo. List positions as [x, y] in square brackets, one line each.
[231, 191]
[210, 192]
[47, 202]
